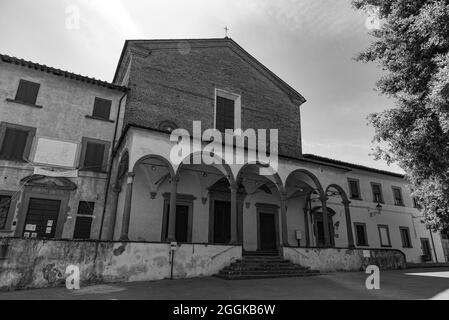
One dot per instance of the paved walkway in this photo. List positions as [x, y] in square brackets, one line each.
[409, 284]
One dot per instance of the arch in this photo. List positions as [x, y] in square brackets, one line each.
[309, 174]
[275, 175]
[340, 190]
[348, 218]
[229, 175]
[158, 157]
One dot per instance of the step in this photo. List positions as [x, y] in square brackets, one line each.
[260, 253]
[266, 272]
[264, 276]
[264, 265]
[263, 259]
[239, 267]
[250, 261]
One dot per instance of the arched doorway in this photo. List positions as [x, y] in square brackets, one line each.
[263, 214]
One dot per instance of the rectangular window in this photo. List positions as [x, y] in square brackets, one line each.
[84, 220]
[27, 91]
[224, 118]
[416, 203]
[384, 235]
[5, 204]
[14, 143]
[360, 233]
[377, 192]
[354, 189]
[405, 236]
[102, 108]
[94, 155]
[397, 194]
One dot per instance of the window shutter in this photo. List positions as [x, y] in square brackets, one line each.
[5, 202]
[102, 108]
[83, 224]
[354, 189]
[397, 196]
[14, 143]
[27, 91]
[93, 159]
[224, 114]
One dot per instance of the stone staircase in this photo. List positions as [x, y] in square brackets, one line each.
[263, 264]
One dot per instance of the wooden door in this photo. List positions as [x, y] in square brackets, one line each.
[222, 221]
[42, 217]
[267, 231]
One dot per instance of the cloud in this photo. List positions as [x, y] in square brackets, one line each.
[116, 14]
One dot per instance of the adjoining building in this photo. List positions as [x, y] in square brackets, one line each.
[56, 133]
[162, 85]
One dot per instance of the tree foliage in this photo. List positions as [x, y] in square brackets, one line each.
[412, 47]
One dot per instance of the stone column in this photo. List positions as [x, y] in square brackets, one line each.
[127, 209]
[234, 220]
[171, 236]
[284, 219]
[306, 226]
[327, 242]
[348, 224]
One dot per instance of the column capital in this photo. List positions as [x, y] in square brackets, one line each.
[233, 187]
[346, 202]
[283, 196]
[323, 198]
[174, 179]
[130, 177]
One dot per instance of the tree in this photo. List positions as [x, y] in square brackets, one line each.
[412, 47]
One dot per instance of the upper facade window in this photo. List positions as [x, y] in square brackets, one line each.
[377, 192]
[15, 141]
[227, 110]
[224, 118]
[397, 194]
[354, 189]
[27, 92]
[94, 155]
[416, 203]
[102, 108]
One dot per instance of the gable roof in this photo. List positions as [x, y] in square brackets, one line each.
[59, 72]
[218, 42]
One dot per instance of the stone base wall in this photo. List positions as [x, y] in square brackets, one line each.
[334, 259]
[28, 263]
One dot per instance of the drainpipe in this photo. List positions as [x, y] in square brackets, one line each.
[108, 179]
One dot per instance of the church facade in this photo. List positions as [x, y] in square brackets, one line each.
[307, 201]
[300, 200]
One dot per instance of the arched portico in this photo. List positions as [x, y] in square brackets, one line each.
[265, 228]
[151, 170]
[203, 177]
[335, 190]
[310, 185]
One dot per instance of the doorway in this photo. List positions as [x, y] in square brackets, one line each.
[222, 221]
[41, 218]
[267, 231]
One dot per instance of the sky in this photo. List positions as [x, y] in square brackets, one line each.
[310, 44]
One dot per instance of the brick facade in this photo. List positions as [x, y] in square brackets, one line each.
[176, 81]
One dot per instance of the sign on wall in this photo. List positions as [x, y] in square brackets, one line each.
[55, 152]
